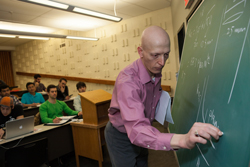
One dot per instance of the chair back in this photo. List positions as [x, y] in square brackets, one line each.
[32, 154]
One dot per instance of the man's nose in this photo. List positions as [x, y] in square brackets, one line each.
[161, 60]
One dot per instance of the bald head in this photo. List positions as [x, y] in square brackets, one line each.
[154, 49]
[154, 36]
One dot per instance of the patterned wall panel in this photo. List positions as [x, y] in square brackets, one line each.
[103, 59]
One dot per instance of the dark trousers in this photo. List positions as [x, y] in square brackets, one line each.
[121, 151]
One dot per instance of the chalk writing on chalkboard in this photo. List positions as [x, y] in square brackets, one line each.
[213, 83]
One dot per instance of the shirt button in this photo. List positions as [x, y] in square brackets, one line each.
[164, 148]
[153, 107]
[154, 95]
[151, 118]
[148, 146]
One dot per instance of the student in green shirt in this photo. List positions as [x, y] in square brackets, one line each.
[52, 108]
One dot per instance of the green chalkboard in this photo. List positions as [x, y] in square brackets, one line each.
[214, 84]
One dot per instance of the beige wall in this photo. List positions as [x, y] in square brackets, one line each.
[101, 59]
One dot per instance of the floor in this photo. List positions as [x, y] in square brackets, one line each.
[156, 158]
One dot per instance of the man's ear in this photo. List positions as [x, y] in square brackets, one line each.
[139, 49]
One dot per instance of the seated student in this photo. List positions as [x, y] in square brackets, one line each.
[32, 98]
[9, 112]
[62, 90]
[53, 108]
[81, 87]
[39, 86]
[5, 92]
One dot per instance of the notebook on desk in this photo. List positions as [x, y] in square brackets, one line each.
[19, 127]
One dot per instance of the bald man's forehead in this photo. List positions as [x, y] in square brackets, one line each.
[154, 36]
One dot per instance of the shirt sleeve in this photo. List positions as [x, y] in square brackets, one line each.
[138, 127]
[41, 98]
[77, 104]
[18, 109]
[43, 109]
[67, 110]
[44, 87]
[17, 101]
[66, 92]
[23, 100]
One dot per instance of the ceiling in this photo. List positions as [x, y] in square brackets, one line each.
[14, 11]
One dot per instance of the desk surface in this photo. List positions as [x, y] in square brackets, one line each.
[37, 129]
[60, 140]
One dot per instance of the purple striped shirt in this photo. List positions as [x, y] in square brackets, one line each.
[133, 105]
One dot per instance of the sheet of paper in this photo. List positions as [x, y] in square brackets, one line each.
[163, 109]
[67, 117]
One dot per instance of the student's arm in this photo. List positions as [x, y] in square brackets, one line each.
[43, 109]
[41, 98]
[19, 110]
[20, 117]
[30, 105]
[1, 133]
[66, 93]
[67, 110]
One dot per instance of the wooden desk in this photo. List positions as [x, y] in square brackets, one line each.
[60, 140]
[88, 140]
[30, 111]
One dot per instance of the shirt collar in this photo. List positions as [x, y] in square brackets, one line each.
[144, 75]
[31, 94]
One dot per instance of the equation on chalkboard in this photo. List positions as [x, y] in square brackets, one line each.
[214, 84]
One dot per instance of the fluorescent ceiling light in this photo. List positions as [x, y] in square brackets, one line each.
[50, 3]
[24, 27]
[7, 36]
[74, 9]
[82, 38]
[29, 37]
[41, 36]
[97, 14]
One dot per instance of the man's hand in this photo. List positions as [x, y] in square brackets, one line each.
[67, 98]
[57, 120]
[62, 88]
[199, 133]
[1, 133]
[36, 84]
[34, 104]
[80, 113]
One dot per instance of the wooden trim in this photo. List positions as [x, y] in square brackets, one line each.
[98, 81]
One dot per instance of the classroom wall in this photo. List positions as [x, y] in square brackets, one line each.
[103, 59]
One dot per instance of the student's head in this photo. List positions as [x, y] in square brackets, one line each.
[5, 90]
[62, 82]
[31, 87]
[154, 49]
[37, 78]
[52, 91]
[81, 87]
[6, 105]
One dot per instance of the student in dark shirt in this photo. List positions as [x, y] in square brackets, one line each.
[62, 90]
[9, 112]
[39, 86]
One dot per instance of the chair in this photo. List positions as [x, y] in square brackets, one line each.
[32, 154]
[37, 120]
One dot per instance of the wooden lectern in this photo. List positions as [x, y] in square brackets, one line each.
[89, 134]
